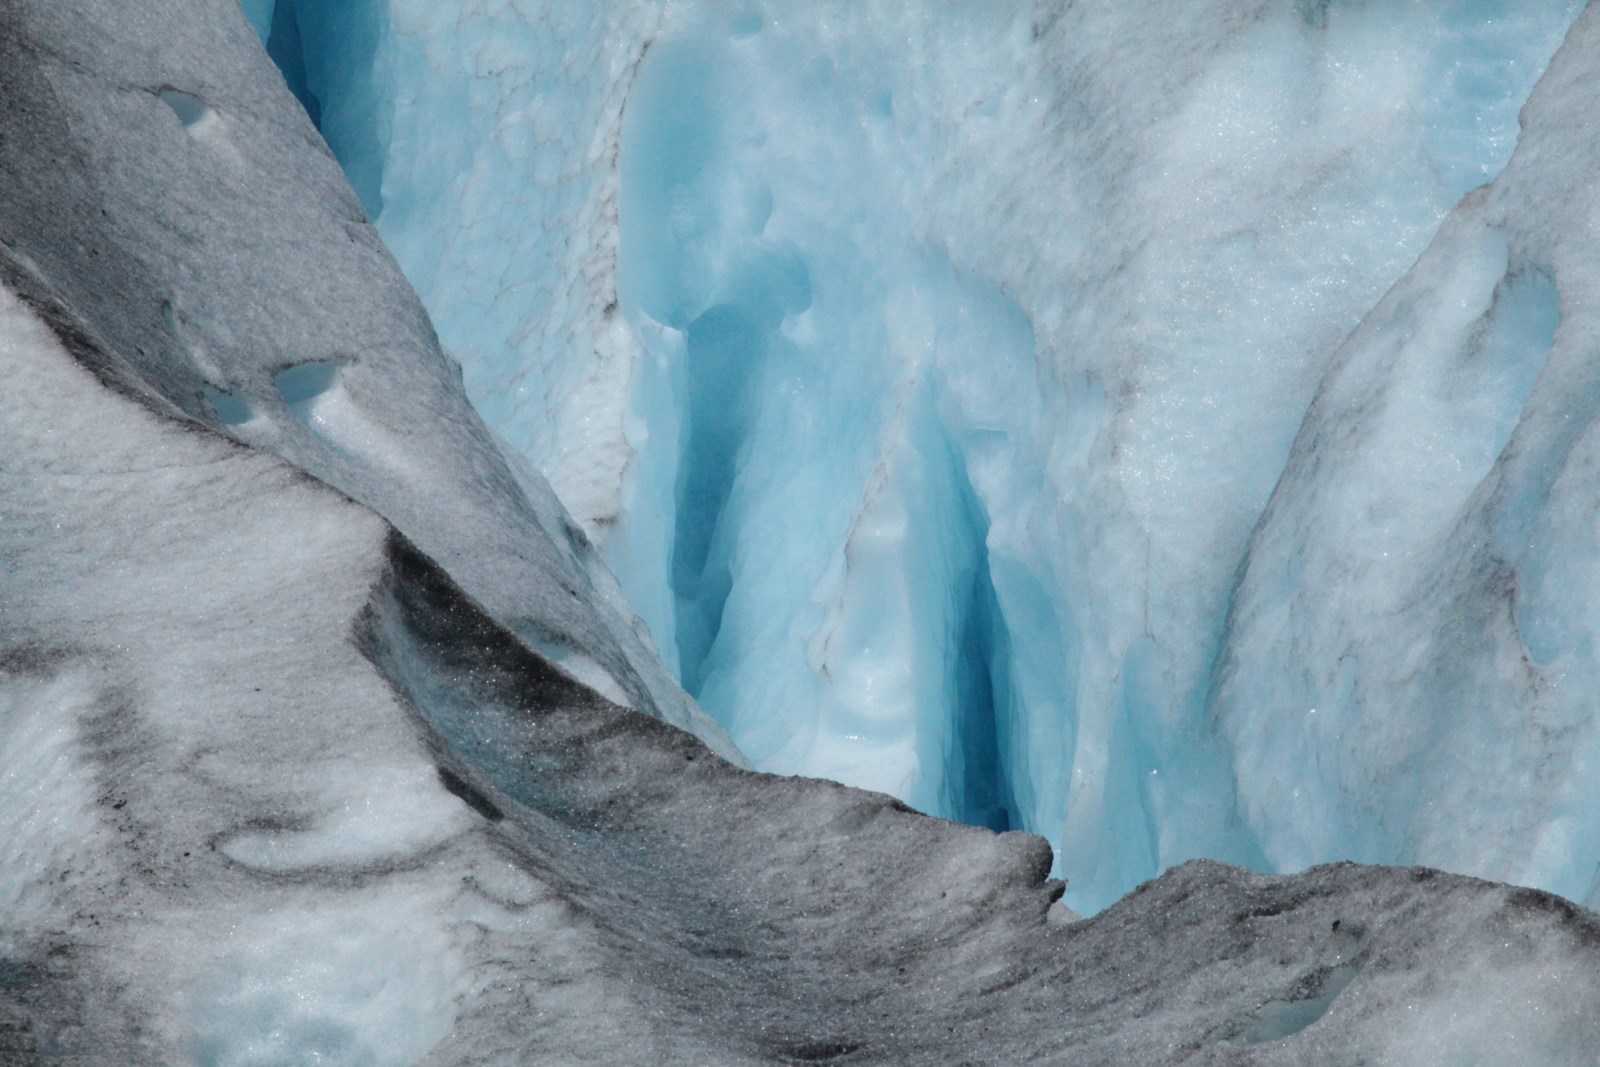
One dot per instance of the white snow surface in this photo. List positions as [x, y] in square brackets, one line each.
[923, 371]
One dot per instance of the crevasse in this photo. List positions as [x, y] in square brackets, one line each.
[923, 373]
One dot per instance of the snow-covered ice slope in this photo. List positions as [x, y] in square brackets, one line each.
[230, 254]
[922, 370]
[289, 775]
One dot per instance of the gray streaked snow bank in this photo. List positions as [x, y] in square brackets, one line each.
[231, 276]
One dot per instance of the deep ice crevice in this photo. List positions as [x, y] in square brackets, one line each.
[327, 54]
[770, 316]
[782, 302]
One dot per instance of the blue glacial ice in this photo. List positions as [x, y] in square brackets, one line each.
[327, 737]
[923, 376]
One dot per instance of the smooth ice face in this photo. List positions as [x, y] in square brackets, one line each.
[922, 377]
[1426, 564]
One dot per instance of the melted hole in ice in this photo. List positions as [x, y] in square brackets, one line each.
[303, 383]
[311, 390]
[1278, 1019]
[231, 409]
[196, 115]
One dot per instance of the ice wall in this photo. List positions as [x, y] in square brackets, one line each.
[1412, 644]
[923, 373]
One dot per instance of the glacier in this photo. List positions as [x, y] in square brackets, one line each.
[924, 376]
[1222, 496]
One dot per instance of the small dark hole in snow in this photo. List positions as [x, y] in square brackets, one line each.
[821, 1051]
[718, 952]
[305, 382]
[189, 108]
[231, 410]
[1279, 1019]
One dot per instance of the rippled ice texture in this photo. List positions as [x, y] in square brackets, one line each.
[923, 370]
